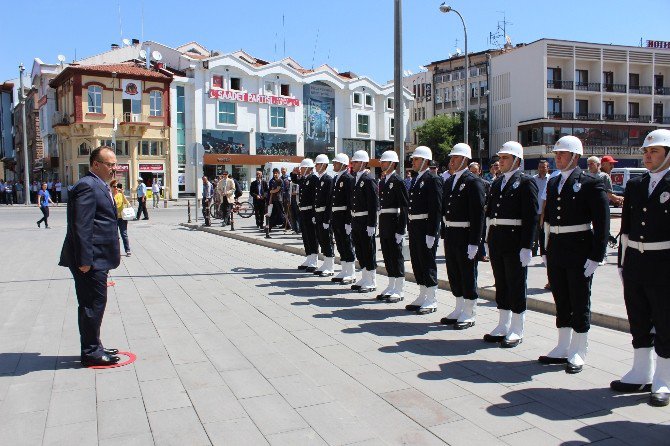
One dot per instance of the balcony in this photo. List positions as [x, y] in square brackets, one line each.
[662, 119]
[663, 91]
[617, 118]
[636, 89]
[640, 118]
[60, 118]
[588, 86]
[614, 88]
[133, 117]
[588, 116]
[560, 85]
[559, 115]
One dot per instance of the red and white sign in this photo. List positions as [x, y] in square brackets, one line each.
[132, 89]
[658, 44]
[241, 96]
[151, 168]
[122, 168]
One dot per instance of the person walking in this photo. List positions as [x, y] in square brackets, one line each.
[90, 250]
[141, 199]
[43, 201]
[155, 192]
[207, 194]
[323, 211]
[275, 207]
[59, 189]
[258, 190]
[343, 185]
[227, 189]
[120, 201]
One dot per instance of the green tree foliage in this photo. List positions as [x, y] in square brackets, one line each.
[440, 133]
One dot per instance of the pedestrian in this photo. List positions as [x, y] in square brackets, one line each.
[475, 168]
[408, 180]
[34, 188]
[9, 193]
[258, 190]
[307, 218]
[364, 204]
[343, 185]
[463, 201]
[18, 191]
[511, 217]
[2, 191]
[43, 201]
[59, 189]
[295, 210]
[141, 199]
[90, 250]
[275, 209]
[540, 179]
[120, 201]
[207, 194]
[322, 213]
[155, 192]
[425, 210]
[593, 164]
[576, 224]
[643, 267]
[394, 200]
[606, 165]
[227, 190]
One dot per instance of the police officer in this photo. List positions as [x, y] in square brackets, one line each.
[463, 213]
[392, 223]
[306, 195]
[425, 208]
[576, 224]
[644, 259]
[340, 220]
[364, 201]
[511, 221]
[322, 209]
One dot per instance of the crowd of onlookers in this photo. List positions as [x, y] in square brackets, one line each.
[12, 191]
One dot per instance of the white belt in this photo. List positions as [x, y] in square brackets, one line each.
[456, 224]
[503, 222]
[359, 214]
[418, 217]
[306, 208]
[569, 229]
[641, 246]
[339, 208]
[320, 209]
[389, 211]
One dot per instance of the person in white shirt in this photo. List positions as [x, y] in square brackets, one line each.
[156, 192]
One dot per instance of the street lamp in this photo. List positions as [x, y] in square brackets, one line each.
[114, 109]
[445, 9]
[26, 177]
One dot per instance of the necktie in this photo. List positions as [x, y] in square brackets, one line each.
[502, 185]
[560, 184]
[652, 186]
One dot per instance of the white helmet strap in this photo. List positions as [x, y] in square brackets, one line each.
[460, 166]
[665, 161]
[572, 160]
[512, 167]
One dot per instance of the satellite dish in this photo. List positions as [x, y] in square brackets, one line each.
[61, 58]
[126, 42]
[458, 51]
[156, 55]
[143, 54]
[508, 39]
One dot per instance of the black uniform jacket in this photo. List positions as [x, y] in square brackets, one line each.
[322, 198]
[341, 196]
[646, 218]
[364, 199]
[392, 194]
[425, 197]
[465, 203]
[582, 201]
[306, 191]
[518, 201]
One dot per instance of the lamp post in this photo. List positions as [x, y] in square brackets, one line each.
[26, 176]
[398, 103]
[446, 8]
[114, 109]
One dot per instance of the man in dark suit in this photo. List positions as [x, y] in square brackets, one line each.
[91, 249]
[576, 225]
[343, 185]
[259, 191]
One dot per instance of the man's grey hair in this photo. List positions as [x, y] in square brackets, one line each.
[595, 159]
[474, 163]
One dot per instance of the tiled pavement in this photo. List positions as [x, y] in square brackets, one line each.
[235, 347]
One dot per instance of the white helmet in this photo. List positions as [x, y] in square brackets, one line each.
[461, 149]
[321, 159]
[512, 148]
[569, 143]
[361, 155]
[306, 163]
[422, 152]
[389, 155]
[341, 158]
[660, 137]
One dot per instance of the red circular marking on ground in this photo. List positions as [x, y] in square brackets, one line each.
[111, 283]
[131, 358]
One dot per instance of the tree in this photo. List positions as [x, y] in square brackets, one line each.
[440, 133]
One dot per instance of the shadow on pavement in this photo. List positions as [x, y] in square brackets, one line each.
[361, 314]
[17, 364]
[439, 347]
[631, 431]
[396, 329]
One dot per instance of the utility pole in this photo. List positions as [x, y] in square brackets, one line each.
[398, 103]
[26, 176]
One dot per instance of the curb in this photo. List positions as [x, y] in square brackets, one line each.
[541, 306]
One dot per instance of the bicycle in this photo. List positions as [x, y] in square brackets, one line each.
[244, 209]
[215, 211]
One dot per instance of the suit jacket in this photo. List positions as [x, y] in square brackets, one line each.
[518, 201]
[393, 194]
[253, 190]
[92, 236]
[582, 201]
[364, 199]
[425, 197]
[464, 202]
[342, 192]
[322, 198]
[306, 193]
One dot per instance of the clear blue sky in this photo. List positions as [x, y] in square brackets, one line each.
[352, 35]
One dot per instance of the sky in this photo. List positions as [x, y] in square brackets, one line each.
[350, 35]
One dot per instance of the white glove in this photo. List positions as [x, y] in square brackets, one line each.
[347, 229]
[544, 260]
[621, 274]
[486, 248]
[430, 241]
[326, 226]
[399, 238]
[371, 231]
[472, 251]
[590, 267]
[314, 220]
[525, 255]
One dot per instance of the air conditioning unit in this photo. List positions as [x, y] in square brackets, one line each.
[135, 118]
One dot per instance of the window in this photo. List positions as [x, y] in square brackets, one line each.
[278, 117]
[633, 109]
[582, 78]
[285, 90]
[392, 127]
[235, 83]
[357, 98]
[227, 113]
[554, 106]
[634, 79]
[389, 103]
[474, 87]
[363, 124]
[368, 100]
[151, 148]
[94, 99]
[608, 108]
[82, 170]
[84, 149]
[269, 87]
[155, 103]
[217, 81]
[582, 108]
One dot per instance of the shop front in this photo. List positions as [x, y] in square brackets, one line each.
[241, 167]
[151, 172]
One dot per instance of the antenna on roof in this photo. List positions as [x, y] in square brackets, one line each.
[120, 23]
[284, 32]
[142, 22]
[497, 37]
[316, 43]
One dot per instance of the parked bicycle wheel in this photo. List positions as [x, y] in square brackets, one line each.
[215, 211]
[245, 209]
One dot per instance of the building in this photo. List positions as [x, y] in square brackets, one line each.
[7, 154]
[33, 139]
[421, 86]
[609, 96]
[49, 163]
[123, 105]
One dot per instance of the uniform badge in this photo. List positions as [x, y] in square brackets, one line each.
[421, 185]
[576, 187]
[341, 184]
[665, 196]
[516, 184]
[322, 183]
[362, 184]
[461, 187]
[391, 186]
[307, 183]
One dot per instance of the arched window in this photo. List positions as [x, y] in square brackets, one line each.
[95, 99]
[156, 103]
[84, 149]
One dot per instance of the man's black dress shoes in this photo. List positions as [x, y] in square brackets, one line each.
[99, 361]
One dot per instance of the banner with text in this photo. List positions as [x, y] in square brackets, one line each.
[242, 96]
